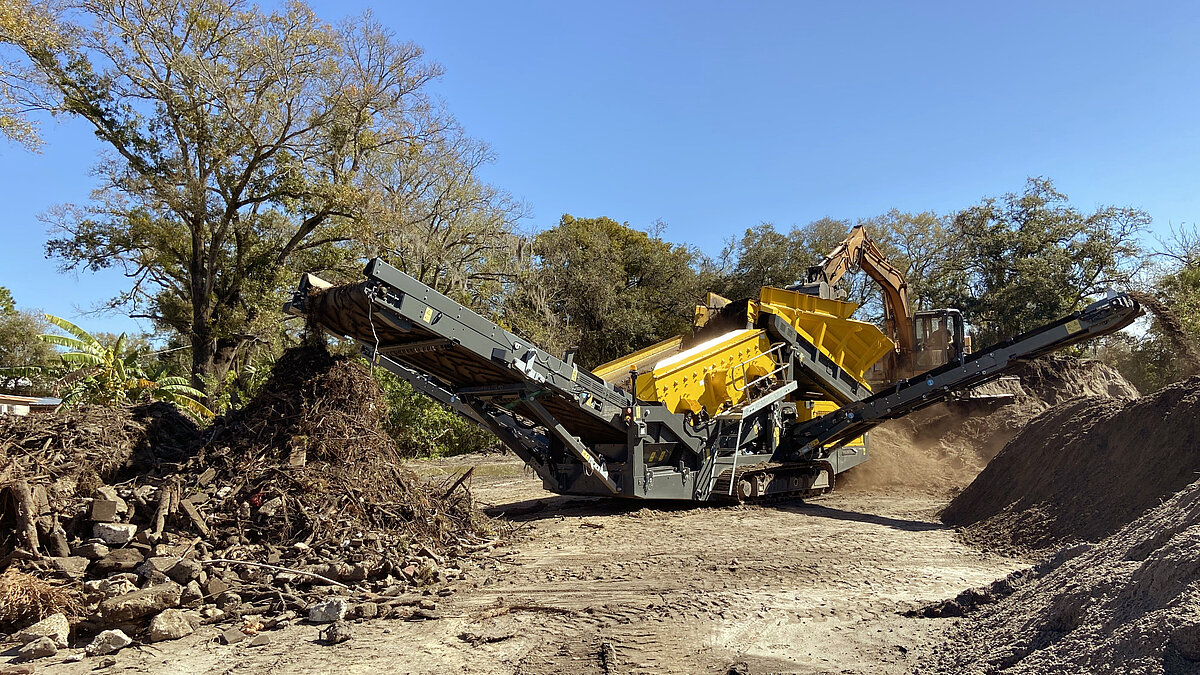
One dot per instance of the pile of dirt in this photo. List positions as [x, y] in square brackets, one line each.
[130, 514]
[1130, 604]
[943, 447]
[1084, 469]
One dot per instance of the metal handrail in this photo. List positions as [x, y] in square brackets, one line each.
[744, 364]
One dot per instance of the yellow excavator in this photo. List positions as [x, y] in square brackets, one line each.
[924, 340]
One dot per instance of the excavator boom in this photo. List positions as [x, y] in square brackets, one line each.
[859, 250]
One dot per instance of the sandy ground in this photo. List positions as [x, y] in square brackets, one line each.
[602, 586]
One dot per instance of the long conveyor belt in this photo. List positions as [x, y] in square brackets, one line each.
[852, 420]
[398, 317]
[583, 435]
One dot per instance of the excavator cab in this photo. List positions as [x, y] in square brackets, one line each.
[939, 338]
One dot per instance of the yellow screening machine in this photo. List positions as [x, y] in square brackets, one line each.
[767, 396]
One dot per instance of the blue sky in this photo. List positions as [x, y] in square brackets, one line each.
[715, 116]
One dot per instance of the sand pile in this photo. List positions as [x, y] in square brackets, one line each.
[1130, 604]
[1083, 469]
[945, 446]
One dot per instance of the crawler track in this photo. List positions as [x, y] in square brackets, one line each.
[773, 482]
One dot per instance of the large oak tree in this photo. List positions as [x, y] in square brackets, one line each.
[246, 146]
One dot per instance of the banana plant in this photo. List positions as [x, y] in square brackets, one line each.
[92, 372]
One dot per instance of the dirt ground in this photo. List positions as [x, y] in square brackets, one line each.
[602, 586]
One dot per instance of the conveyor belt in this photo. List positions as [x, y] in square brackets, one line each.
[414, 325]
[853, 420]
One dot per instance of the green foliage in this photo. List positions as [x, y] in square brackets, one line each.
[762, 256]
[918, 244]
[923, 246]
[1152, 360]
[32, 26]
[241, 383]
[110, 374]
[606, 288]
[1029, 258]
[249, 145]
[423, 427]
[20, 346]
[1146, 360]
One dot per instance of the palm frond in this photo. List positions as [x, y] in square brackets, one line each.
[193, 406]
[68, 342]
[182, 390]
[71, 328]
[81, 359]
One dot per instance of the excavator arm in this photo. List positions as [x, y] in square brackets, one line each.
[858, 249]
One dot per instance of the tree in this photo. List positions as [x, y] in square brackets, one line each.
[247, 147]
[111, 374]
[19, 343]
[430, 216]
[608, 288]
[924, 246]
[1029, 258]
[1169, 349]
[35, 28]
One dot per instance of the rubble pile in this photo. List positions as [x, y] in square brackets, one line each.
[1083, 470]
[135, 525]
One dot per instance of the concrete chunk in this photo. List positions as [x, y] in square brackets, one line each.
[141, 603]
[54, 627]
[104, 511]
[73, 566]
[172, 624]
[109, 493]
[120, 560]
[328, 611]
[114, 534]
[214, 587]
[232, 636]
[38, 649]
[184, 571]
[91, 550]
[108, 642]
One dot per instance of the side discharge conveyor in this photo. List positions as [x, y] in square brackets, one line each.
[767, 397]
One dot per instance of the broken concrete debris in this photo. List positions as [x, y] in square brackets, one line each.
[232, 636]
[172, 624]
[37, 649]
[336, 633]
[148, 526]
[114, 534]
[54, 627]
[328, 611]
[107, 642]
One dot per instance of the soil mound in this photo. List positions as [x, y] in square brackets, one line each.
[1130, 604]
[945, 446]
[1083, 469]
[1057, 378]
